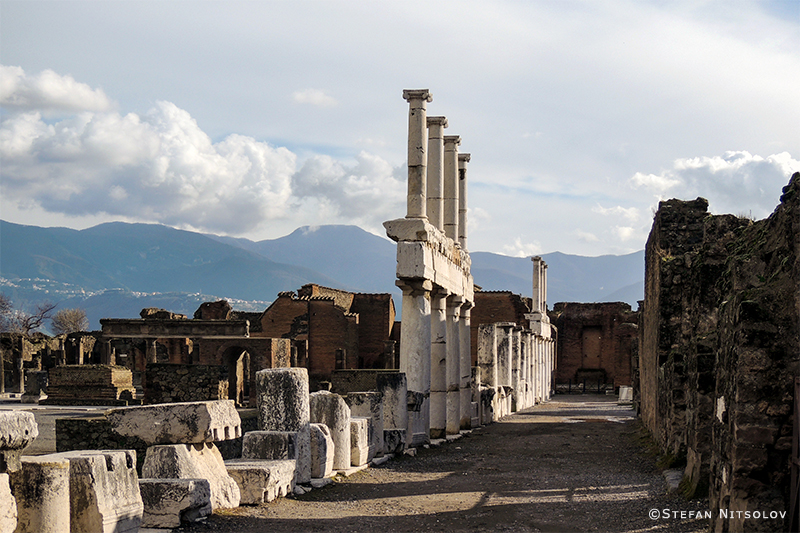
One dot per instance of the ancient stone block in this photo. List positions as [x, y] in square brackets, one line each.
[41, 489]
[174, 423]
[262, 481]
[17, 430]
[332, 410]
[269, 445]
[359, 441]
[369, 404]
[89, 385]
[8, 506]
[394, 440]
[170, 502]
[104, 490]
[193, 461]
[322, 448]
[283, 405]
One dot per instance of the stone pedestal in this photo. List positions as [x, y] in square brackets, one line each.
[41, 489]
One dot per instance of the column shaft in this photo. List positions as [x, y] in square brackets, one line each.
[465, 366]
[417, 148]
[435, 188]
[463, 159]
[453, 367]
[415, 358]
[438, 365]
[451, 143]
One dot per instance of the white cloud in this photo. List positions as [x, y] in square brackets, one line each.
[315, 97]
[520, 249]
[48, 92]
[585, 236]
[735, 182]
[630, 213]
[625, 233]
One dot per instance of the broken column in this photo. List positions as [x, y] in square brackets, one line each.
[41, 489]
[394, 390]
[331, 409]
[283, 405]
[369, 405]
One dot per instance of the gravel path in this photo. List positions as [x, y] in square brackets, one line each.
[576, 463]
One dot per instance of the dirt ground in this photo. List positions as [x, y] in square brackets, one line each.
[577, 463]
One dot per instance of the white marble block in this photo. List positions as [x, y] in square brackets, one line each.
[359, 441]
[178, 423]
[170, 502]
[321, 451]
[331, 409]
[41, 489]
[193, 461]
[369, 404]
[283, 405]
[262, 481]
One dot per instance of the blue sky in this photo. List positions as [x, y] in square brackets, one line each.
[253, 118]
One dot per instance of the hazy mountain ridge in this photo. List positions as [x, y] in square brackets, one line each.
[115, 269]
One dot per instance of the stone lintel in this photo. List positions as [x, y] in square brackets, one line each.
[417, 94]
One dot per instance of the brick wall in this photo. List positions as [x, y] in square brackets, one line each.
[376, 314]
[492, 307]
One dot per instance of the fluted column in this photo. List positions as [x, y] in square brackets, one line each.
[417, 151]
[453, 365]
[435, 188]
[451, 143]
[438, 365]
[463, 159]
[415, 356]
[465, 366]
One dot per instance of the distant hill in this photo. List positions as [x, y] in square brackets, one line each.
[116, 269]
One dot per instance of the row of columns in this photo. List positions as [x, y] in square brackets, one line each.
[517, 365]
[433, 272]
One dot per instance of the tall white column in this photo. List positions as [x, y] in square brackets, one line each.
[438, 365]
[415, 356]
[417, 151]
[537, 285]
[451, 143]
[453, 365]
[463, 159]
[464, 347]
[515, 367]
[436, 126]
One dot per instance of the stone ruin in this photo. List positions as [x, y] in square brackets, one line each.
[719, 356]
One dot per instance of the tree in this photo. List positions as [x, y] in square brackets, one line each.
[17, 321]
[69, 321]
[6, 313]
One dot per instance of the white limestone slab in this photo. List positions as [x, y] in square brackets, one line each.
[178, 423]
[359, 441]
[193, 461]
[331, 409]
[170, 502]
[262, 481]
[321, 451]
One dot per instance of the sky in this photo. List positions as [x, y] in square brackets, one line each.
[253, 118]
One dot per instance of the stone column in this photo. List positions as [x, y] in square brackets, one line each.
[152, 351]
[20, 369]
[438, 364]
[453, 365]
[538, 295]
[42, 493]
[465, 365]
[415, 356]
[436, 126]
[451, 143]
[487, 354]
[516, 362]
[417, 148]
[463, 159]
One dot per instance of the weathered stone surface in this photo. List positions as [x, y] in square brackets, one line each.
[332, 410]
[170, 502]
[193, 461]
[369, 404]
[322, 448]
[17, 430]
[41, 489]
[8, 506]
[283, 405]
[178, 423]
[359, 441]
[269, 445]
[394, 440]
[262, 481]
[82, 384]
[103, 489]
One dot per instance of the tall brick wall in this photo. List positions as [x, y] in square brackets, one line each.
[615, 327]
[720, 349]
[376, 314]
[330, 330]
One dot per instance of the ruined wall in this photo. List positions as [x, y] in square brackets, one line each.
[492, 307]
[168, 383]
[376, 314]
[720, 349]
[595, 337]
[330, 330]
[287, 317]
[90, 385]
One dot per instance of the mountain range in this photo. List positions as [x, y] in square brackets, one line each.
[116, 269]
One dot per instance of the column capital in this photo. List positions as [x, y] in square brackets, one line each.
[452, 139]
[414, 287]
[437, 121]
[464, 158]
[417, 94]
